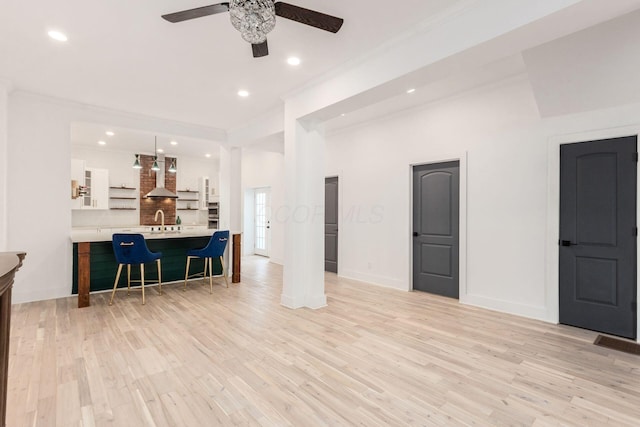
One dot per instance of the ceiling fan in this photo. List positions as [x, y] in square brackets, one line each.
[255, 18]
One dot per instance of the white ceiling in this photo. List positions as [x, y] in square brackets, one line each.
[136, 141]
[122, 55]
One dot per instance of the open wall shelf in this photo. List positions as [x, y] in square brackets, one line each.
[122, 199]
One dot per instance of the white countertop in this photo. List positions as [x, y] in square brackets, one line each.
[104, 234]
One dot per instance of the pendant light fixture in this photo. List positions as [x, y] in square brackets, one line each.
[136, 164]
[155, 166]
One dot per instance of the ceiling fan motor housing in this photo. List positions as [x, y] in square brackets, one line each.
[253, 18]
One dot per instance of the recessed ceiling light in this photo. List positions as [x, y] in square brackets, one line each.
[293, 60]
[207, 155]
[343, 114]
[243, 93]
[57, 35]
[160, 150]
[174, 142]
[109, 133]
[411, 90]
[102, 143]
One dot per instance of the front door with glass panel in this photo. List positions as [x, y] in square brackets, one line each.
[262, 221]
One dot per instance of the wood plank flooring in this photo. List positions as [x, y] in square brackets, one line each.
[373, 357]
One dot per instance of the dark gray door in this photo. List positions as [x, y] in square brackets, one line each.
[331, 224]
[598, 235]
[436, 209]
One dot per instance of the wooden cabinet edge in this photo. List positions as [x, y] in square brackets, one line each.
[9, 269]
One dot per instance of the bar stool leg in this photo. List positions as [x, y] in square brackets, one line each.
[210, 261]
[128, 279]
[224, 271]
[142, 281]
[204, 273]
[115, 284]
[186, 273]
[160, 276]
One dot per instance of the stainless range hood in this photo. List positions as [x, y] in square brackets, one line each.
[160, 192]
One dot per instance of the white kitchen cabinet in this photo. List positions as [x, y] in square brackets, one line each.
[97, 183]
[203, 185]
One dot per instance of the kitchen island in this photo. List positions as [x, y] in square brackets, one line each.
[95, 266]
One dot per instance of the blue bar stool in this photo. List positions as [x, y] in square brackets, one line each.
[214, 249]
[132, 249]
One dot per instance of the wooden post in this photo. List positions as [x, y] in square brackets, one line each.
[237, 253]
[84, 273]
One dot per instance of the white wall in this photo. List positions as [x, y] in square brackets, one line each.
[119, 164]
[248, 222]
[4, 99]
[265, 169]
[38, 201]
[190, 170]
[39, 204]
[506, 143]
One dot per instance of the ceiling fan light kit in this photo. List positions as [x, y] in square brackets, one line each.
[255, 18]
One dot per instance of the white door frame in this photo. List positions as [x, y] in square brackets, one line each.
[462, 255]
[267, 213]
[552, 285]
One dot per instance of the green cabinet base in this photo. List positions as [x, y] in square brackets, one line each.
[103, 264]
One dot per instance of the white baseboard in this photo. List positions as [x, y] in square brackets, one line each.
[291, 302]
[18, 297]
[509, 307]
[373, 279]
[313, 302]
[316, 301]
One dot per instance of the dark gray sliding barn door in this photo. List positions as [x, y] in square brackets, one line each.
[436, 209]
[598, 235]
[331, 224]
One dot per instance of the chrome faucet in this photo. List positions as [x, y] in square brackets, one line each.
[159, 211]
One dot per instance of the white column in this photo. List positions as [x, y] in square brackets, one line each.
[235, 204]
[303, 215]
[231, 189]
[4, 125]
[230, 205]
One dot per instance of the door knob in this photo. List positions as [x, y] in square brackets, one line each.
[415, 234]
[567, 243]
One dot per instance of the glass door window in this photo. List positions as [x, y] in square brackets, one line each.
[262, 221]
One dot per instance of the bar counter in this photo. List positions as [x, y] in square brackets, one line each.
[95, 266]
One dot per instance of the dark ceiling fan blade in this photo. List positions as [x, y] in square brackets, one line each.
[198, 12]
[309, 17]
[260, 49]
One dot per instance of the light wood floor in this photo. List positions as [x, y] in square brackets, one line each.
[373, 357]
